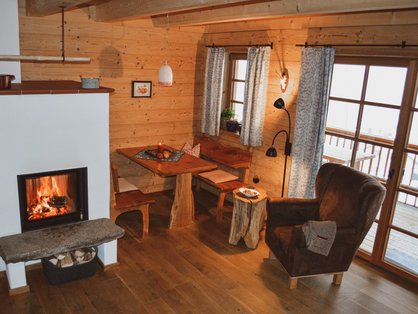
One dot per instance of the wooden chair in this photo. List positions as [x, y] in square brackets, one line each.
[129, 201]
[120, 184]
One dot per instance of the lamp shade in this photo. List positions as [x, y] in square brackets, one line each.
[165, 76]
[279, 103]
[271, 152]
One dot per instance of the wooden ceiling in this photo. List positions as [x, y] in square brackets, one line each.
[198, 12]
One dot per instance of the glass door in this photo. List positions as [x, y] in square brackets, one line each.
[400, 251]
[367, 126]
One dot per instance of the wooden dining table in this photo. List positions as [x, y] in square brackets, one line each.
[182, 210]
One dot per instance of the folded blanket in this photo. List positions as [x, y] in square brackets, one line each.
[319, 235]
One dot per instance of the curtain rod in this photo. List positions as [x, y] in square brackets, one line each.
[401, 45]
[253, 45]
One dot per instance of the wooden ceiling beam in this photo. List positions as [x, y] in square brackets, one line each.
[382, 18]
[280, 8]
[131, 9]
[47, 7]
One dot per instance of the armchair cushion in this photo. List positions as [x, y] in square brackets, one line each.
[289, 236]
[292, 211]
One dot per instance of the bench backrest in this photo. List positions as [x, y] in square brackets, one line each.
[230, 156]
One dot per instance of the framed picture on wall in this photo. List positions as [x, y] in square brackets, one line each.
[141, 89]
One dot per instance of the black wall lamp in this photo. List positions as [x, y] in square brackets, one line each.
[272, 152]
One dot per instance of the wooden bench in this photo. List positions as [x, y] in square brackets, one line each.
[129, 200]
[120, 184]
[36, 244]
[229, 157]
[40, 243]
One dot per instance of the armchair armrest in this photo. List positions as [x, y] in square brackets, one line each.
[345, 237]
[291, 211]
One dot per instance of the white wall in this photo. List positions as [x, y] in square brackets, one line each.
[50, 132]
[9, 37]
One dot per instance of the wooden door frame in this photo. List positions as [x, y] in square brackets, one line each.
[392, 184]
[398, 156]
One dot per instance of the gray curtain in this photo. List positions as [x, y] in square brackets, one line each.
[255, 95]
[311, 114]
[212, 97]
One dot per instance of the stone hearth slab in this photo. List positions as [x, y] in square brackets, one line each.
[42, 243]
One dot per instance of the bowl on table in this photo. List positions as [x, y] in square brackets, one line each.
[249, 192]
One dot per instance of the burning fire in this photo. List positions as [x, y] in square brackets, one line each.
[47, 197]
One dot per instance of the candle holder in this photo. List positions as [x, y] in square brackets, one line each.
[160, 148]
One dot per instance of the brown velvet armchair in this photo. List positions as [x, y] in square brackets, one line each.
[349, 197]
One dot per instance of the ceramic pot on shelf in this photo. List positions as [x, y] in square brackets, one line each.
[6, 80]
[232, 125]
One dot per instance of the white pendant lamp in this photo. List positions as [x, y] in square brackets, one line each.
[165, 77]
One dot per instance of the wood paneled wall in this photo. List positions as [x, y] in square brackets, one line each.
[122, 52]
[285, 33]
[135, 50]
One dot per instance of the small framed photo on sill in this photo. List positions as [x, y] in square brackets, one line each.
[141, 89]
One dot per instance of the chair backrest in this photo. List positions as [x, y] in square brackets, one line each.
[349, 197]
[115, 178]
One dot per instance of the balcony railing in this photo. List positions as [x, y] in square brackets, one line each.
[375, 160]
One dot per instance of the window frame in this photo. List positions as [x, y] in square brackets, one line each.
[233, 58]
[400, 148]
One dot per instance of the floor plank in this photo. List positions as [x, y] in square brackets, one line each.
[195, 270]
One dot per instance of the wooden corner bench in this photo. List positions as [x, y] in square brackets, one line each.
[228, 157]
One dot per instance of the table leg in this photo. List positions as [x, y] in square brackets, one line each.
[182, 210]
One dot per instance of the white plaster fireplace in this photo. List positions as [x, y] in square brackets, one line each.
[49, 131]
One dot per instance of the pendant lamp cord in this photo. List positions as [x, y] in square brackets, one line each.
[62, 34]
[166, 37]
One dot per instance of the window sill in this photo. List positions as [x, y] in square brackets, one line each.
[226, 133]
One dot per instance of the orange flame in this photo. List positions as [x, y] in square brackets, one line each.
[47, 197]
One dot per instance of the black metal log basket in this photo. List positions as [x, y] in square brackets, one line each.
[59, 275]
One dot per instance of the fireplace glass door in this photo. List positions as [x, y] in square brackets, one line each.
[52, 198]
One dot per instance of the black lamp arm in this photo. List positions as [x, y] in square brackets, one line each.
[288, 118]
[281, 131]
[288, 145]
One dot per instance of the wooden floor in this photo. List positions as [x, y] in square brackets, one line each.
[194, 270]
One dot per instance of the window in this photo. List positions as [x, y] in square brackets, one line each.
[363, 115]
[236, 84]
[371, 117]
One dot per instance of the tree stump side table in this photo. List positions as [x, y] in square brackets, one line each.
[247, 218]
